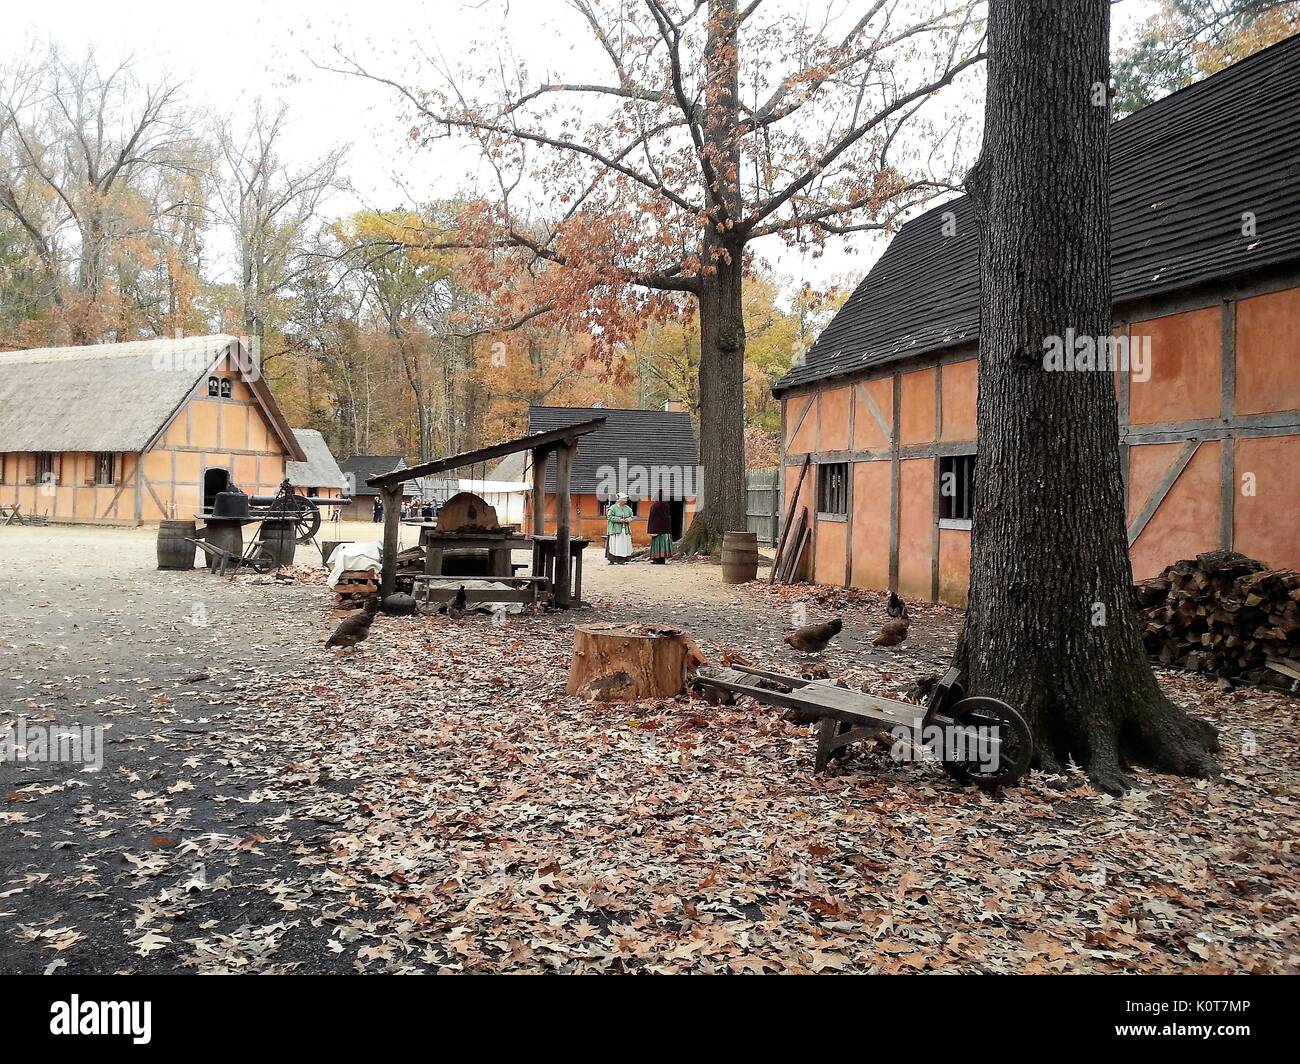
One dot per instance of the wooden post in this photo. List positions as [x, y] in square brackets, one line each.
[563, 515]
[539, 492]
[392, 499]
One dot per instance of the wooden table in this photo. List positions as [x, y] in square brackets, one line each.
[544, 562]
[498, 544]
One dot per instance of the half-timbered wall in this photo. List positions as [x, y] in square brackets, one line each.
[166, 480]
[1210, 448]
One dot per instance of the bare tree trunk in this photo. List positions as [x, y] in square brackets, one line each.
[722, 410]
[1051, 626]
[722, 321]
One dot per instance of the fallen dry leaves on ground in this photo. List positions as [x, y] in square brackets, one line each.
[435, 802]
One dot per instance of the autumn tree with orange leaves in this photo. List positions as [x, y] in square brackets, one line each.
[692, 131]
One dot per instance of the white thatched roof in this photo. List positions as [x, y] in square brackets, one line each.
[107, 397]
[320, 470]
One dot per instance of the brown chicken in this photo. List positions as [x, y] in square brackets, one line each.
[812, 638]
[352, 630]
[893, 632]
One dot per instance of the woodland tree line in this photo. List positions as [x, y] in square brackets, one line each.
[128, 213]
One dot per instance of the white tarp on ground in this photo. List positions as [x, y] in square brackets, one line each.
[349, 557]
[475, 583]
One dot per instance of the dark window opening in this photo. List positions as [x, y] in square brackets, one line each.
[957, 487]
[105, 468]
[833, 488]
[225, 388]
[45, 468]
[214, 387]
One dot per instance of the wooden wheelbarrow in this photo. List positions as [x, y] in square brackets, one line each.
[978, 740]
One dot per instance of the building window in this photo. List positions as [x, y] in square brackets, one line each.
[45, 468]
[956, 487]
[833, 489]
[214, 387]
[633, 504]
[225, 388]
[105, 468]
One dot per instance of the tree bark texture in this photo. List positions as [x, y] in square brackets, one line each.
[1051, 626]
[722, 321]
[624, 663]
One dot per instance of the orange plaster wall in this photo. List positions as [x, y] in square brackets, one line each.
[1268, 353]
[1185, 376]
[801, 437]
[829, 546]
[871, 525]
[916, 407]
[867, 433]
[833, 419]
[954, 566]
[915, 526]
[960, 383]
[75, 496]
[1267, 525]
[1187, 522]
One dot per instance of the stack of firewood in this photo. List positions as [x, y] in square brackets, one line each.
[355, 586]
[1225, 614]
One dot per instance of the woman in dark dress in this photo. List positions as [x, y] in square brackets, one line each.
[659, 524]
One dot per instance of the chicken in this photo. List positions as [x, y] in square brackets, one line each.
[893, 632]
[812, 638]
[352, 630]
[896, 608]
[458, 606]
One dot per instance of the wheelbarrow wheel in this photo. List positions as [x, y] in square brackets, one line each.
[1015, 744]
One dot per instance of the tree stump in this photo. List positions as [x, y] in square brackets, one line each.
[626, 662]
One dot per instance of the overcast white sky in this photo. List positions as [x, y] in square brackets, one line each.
[230, 53]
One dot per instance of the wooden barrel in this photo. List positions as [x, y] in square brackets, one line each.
[279, 538]
[739, 557]
[173, 551]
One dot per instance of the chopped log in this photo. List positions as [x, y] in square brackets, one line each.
[623, 663]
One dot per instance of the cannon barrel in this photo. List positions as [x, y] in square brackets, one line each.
[267, 500]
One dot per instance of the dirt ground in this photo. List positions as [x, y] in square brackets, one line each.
[435, 802]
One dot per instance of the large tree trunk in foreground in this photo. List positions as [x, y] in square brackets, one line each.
[722, 323]
[1051, 626]
[722, 409]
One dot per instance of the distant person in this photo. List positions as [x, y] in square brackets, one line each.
[378, 509]
[660, 526]
[618, 532]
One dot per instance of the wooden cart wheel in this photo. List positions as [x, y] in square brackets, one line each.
[1015, 743]
[305, 515]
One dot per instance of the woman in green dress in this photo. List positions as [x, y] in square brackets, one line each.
[618, 532]
[660, 526]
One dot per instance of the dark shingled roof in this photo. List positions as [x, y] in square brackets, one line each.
[364, 466]
[1182, 173]
[642, 437]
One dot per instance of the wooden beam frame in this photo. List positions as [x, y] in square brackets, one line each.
[563, 518]
[1162, 489]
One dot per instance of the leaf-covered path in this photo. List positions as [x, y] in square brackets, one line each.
[435, 801]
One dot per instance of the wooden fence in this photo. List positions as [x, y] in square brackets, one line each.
[763, 504]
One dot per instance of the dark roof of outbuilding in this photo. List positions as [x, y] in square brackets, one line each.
[361, 467]
[1183, 171]
[643, 437]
